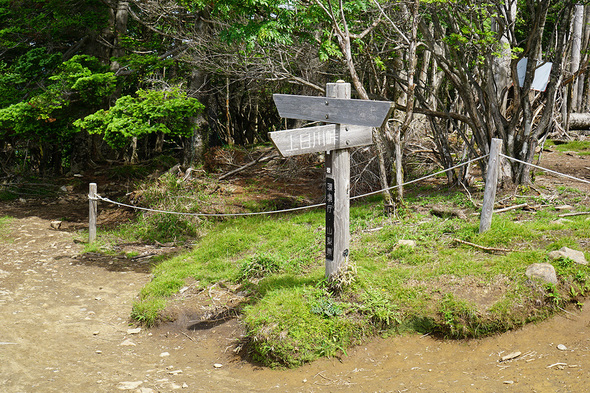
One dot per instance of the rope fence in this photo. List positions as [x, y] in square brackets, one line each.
[489, 195]
[545, 169]
[101, 198]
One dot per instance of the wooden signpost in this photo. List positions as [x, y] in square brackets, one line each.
[352, 126]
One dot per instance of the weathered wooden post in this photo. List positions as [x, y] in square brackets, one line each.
[351, 126]
[489, 195]
[337, 193]
[92, 212]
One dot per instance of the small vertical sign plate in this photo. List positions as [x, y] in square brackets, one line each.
[330, 219]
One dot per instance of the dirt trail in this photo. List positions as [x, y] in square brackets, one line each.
[64, 328]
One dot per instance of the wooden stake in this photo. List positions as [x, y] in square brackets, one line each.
[337, 193]
[489, 195]
[92, 213]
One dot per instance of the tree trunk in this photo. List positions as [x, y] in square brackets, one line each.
[576, 53]
[121, 18]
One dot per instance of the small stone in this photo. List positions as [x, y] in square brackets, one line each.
[98, 351]
[98, 298]
[542, 271]
[96, 333]
[218, 365]
[134, 331]
[511, 356]
[184, 385]
[175, 372]
[55, 224]
[128, 343]
[164, 354]
[508, 382]
[562, 347]
[129, 385]
[407, 243]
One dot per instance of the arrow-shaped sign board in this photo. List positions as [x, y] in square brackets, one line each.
[321, 138]
[333, 110]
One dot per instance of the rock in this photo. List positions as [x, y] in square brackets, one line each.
[565, 252]
[184, 385]
[175, 372]
[129, 385]
[218, 365]
[55, 224]
[127, 343]
[164, 354]
[407, 243]
[508, 382]
[562, 347]
[542, 271]
[134, 331]
[511, 356]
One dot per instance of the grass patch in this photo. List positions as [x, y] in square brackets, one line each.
[293, 316]
[580, 147]
[4, 223]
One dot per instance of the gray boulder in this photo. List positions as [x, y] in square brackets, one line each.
[542, 271]
[565, 252]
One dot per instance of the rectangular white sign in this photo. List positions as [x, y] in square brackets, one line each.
[321, 138]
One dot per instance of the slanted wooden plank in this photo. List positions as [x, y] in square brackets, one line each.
[333, 110]
[321, 138]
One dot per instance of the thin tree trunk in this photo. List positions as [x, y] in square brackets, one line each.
[576, 52]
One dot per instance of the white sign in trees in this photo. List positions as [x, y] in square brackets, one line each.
[353, 121]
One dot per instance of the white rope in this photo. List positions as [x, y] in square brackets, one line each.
[209, 214]
[98, 197]
[545, 169]
[420, 179]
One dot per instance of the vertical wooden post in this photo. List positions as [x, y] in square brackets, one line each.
[337, 193]
[489, 196]
[92, 212]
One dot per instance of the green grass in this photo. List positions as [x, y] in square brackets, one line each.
[4, 222]
[293, 316]
[581, 147]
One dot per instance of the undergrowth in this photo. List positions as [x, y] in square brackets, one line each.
[439, 286]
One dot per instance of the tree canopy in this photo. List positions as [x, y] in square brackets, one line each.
[203, 73]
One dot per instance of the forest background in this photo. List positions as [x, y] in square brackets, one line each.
[82, 82]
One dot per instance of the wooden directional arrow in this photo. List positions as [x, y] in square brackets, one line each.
[333, 110]
[322, 138]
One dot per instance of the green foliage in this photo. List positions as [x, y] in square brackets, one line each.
[148, 112]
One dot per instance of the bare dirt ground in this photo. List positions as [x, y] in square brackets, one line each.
[64, 327]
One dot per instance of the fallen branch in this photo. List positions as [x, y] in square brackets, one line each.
[487, 249]
[521, 206]
[262, 158]
[573, 214]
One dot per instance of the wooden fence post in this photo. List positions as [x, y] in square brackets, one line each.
[489, 195]
[92, 212]
[337, 193]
